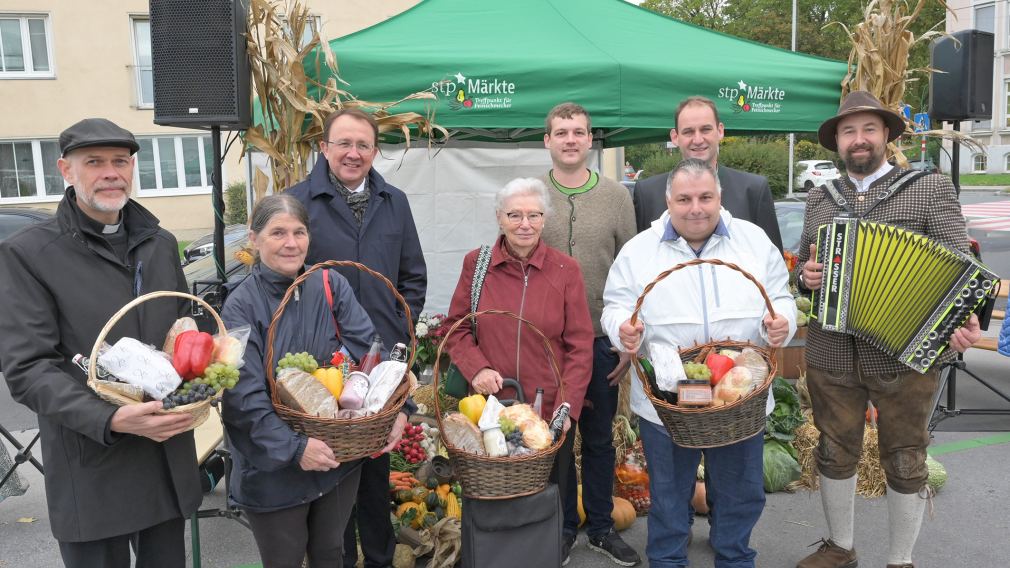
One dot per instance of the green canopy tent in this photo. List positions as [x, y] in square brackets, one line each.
[498, 67]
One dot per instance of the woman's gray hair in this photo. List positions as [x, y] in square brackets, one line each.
[272, 205]
[694, 167]
[524, 186]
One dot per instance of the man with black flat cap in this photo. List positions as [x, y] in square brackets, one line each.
[116, 477]
[843, 371]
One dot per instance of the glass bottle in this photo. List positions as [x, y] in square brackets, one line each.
[373, 357]
[538, 402]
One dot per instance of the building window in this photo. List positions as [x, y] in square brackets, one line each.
[979, 163]
[168, 165]
[28, 171]
[143, 74]
[1006, 162]
[985, 18]
[25, 46]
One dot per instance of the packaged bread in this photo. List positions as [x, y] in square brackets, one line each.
[180, 325]
[536, 434]
[302, 392]
[755, 363]
[463, 434]
[735, 384]
[519, 413]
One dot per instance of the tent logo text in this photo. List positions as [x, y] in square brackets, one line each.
[466, 93]
[753, 98]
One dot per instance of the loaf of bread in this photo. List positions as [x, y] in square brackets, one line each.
[463, 434]
[302, 392]
[180, 325]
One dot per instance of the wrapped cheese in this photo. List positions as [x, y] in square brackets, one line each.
[463, 434]
[382, 382]
[302, 392]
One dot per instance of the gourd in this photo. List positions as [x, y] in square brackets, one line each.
[623, 513]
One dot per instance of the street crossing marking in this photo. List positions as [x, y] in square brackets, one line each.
[991, 216]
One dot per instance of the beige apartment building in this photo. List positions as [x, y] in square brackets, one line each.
[64, 60]
[991, 16]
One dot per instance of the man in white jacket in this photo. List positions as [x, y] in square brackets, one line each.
[696, 305]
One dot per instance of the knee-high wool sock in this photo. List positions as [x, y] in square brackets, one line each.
[904, 517]
[839, 499]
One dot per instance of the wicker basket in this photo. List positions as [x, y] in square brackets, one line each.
[199, 410]
[485, 477]
[711, 427]
[349, 438]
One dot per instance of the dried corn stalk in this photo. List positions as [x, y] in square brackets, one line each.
[292, 122]
[878, 62]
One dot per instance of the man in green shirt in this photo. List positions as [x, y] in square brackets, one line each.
[593, 218]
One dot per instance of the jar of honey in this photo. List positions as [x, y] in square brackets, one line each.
[694, 393]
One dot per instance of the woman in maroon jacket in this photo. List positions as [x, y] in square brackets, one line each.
[542, 285]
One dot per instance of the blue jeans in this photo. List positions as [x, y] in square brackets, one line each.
[734, 476]
[596, 425]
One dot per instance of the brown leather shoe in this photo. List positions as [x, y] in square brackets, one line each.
[908, 565]
[829, 555]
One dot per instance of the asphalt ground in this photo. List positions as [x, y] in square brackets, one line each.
[968, 526]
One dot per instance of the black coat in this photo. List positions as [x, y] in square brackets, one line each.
[745, 195]
[386, 242]
[60, 283]
[266, 476]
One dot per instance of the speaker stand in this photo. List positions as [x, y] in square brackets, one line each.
[955, 159]
[948, 378]
[218, 202]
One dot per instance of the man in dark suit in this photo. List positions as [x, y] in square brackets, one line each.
[697, 132]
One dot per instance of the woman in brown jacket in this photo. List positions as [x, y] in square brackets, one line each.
[540, 284]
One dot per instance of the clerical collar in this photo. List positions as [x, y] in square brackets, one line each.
[865, 183]
[111, 229]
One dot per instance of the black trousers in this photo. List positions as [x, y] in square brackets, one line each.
[160, 546]
[371, 516]
[315, 529]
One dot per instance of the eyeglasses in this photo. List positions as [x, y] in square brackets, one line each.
[516, 218]
[363, 147]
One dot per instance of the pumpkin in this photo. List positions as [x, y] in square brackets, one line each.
[699, 503]
[404, 496]
[443, 491]
[623, 513]
[420, 494]
[432, 501]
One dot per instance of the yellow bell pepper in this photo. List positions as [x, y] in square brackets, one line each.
[332, 378]
[472, 406]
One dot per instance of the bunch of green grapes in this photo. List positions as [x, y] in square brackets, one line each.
[302, 361]
[697, 371]
[219, 375]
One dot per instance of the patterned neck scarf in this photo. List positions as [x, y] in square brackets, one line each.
[358, 202]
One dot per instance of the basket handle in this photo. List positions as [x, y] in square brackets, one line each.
[268, 356]
[93, 367]
[472, 316]
[714, 261]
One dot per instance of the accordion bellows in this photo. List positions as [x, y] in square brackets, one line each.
[896, 289]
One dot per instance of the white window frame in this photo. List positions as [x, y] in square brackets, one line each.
[974, 161]
[39, 174]
[137, 67]
[26, 47]
[206, 170]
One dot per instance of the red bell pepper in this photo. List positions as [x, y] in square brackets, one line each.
[193, 352]
[719, 365]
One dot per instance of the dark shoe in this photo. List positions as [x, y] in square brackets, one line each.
[612, 545]
[908, 565]
[567, 542]
[829, 555]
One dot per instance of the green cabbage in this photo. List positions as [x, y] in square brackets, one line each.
[780, 467]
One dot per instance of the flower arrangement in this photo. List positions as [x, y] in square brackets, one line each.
[429, 332]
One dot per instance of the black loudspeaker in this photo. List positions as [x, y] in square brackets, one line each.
[964, 90]
[200, 66]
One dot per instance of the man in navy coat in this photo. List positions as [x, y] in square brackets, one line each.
[355, 215]
[697, 132]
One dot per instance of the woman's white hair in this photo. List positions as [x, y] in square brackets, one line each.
[524, 186]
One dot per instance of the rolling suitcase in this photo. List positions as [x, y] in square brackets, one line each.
[506, 533]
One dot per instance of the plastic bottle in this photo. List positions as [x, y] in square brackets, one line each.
[373, 357]
[538, 402]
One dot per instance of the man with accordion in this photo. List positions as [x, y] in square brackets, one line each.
[890, 209]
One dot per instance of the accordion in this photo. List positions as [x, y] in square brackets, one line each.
[896, 289]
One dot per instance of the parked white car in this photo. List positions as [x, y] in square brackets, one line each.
[811, 173]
